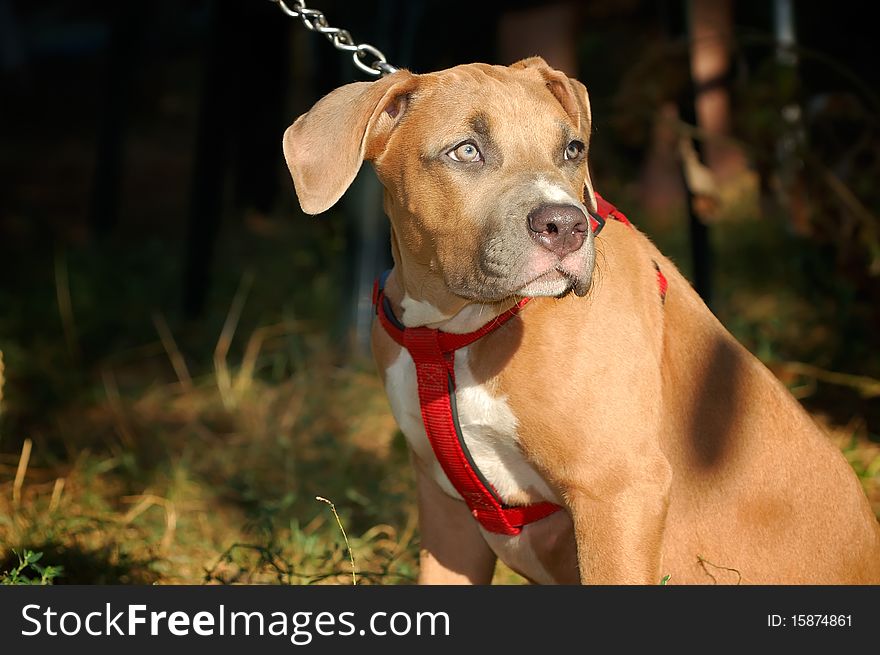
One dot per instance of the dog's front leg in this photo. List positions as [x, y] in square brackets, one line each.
[606, 459]
[619, 531]
[615, 480]
[453, 551]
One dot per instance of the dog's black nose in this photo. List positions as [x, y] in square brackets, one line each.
[561, 229]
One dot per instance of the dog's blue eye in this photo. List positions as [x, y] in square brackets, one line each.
[574, 150]
[466, 152]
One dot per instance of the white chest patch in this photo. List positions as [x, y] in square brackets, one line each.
[487, 424]
[419, 312]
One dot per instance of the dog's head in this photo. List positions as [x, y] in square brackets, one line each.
[484, 168]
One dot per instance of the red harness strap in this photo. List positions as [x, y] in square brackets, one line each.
[433, 353]
[606, 210]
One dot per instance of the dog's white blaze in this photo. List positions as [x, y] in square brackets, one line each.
[487, 424]
[555, 193]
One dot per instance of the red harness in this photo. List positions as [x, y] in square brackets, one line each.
[433, 353]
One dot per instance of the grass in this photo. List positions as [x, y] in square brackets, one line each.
[28, 572]
[182, 476]
[162, 452]
[192, 478]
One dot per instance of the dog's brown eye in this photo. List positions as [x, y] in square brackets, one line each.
[574, 150]
[466, 152]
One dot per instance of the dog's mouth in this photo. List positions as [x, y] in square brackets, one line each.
[539, 275]
[557, 282]
[575, 285]
[580, 287]
[558, 277]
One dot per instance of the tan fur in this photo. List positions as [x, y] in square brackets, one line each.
[675, 451]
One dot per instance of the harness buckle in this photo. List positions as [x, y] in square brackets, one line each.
[597, 222]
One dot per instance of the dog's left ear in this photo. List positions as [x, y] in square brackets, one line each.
[575, 100]
[326, 146]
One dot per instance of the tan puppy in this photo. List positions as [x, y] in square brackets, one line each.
[672, 449]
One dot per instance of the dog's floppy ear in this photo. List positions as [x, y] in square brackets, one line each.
[575, 100]
[326, 146]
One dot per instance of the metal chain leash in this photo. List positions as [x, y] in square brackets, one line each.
[315, 21]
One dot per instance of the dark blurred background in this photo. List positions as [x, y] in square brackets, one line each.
[183, 351]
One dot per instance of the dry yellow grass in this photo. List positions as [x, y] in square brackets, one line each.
[208, 481]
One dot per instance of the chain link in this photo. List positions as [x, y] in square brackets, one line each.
[366, 57]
